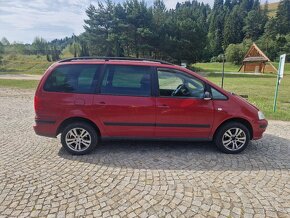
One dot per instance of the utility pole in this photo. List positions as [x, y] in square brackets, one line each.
[223, 72]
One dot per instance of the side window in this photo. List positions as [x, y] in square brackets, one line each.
[73, 78]
[127, 80]
[178, 84]
[216, 95]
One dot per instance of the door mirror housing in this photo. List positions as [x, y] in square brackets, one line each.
[207, 96]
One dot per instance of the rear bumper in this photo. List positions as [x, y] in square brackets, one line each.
[259, 128]
[46, 128]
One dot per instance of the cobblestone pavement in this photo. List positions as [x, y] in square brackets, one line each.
[158, 179]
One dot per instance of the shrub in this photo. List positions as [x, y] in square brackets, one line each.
[235, 53]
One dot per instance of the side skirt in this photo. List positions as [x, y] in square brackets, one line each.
[157, 139]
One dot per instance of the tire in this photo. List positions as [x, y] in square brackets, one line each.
[79, 138]
[232, 138]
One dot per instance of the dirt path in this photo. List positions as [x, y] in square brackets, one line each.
[20, 76]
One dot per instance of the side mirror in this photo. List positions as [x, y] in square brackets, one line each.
[207, 96]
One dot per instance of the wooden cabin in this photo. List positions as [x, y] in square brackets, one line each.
[255, 61]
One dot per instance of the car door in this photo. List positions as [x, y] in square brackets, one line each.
[124, 104]
[181, 111]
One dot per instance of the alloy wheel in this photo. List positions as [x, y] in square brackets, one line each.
[234, 138]
[78, 139]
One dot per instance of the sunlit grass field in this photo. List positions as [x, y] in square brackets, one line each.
[229, 67]
[272, 7]
[24, 64]
[260, 90]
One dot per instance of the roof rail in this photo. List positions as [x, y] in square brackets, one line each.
[114, 58]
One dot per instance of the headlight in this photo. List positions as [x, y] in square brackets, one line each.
[261, 115]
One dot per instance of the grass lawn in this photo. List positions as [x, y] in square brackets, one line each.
[229, 67]
[24, 64]
[260, 90]
[22, 84]
[215, 67]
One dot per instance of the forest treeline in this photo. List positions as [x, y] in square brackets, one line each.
[191, 32]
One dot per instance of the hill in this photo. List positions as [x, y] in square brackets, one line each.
[272, 8]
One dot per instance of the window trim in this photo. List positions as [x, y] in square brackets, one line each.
[176, 71]
[94, 84]
[102, 75]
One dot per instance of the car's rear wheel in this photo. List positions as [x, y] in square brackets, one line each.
[79, 138]
[232, 138]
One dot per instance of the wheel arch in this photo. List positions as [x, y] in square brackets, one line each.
[238, 120]
[70, 120]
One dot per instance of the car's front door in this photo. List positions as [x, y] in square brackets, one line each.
[181, 110]
[124, 104]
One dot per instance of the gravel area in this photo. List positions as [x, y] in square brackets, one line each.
[38, 178]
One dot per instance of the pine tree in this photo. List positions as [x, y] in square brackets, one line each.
[254, 24]
[216, 27]
[283, 17]
[98, 27]
[232, 28]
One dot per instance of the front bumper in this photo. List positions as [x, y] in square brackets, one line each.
[259, 128]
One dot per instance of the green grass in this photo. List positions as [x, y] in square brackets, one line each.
[24, 64]
[260, 90]
[286, 68]
[215, 67]
[21, 84]
[229, 67]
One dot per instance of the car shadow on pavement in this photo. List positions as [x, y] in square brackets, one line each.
[271, 152]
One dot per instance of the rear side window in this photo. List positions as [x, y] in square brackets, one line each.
[127, 80]
[73, 78]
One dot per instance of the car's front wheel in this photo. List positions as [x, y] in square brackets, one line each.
[79, 138]
[232, 138]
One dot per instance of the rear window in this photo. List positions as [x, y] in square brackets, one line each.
[127, 80]
[73, 78]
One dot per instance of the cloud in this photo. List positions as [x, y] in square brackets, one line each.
[23, 20]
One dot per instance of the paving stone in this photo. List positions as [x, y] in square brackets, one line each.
[38, 178]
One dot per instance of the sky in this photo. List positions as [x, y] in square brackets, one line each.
[22, 21]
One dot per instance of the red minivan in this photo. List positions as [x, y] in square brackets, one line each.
[89, 99]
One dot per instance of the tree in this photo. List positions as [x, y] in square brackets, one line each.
[235, 53]
[98, 28]
[1, 51]
[283, 17]
[55, 53]
[5, 41]
[159, 19]
[84, 49]
[75, 49]
[139, 19]
[40, 46]
[254, 24]
[232, 28]
[216, 27]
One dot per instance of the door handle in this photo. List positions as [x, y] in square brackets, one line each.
[102, 102]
